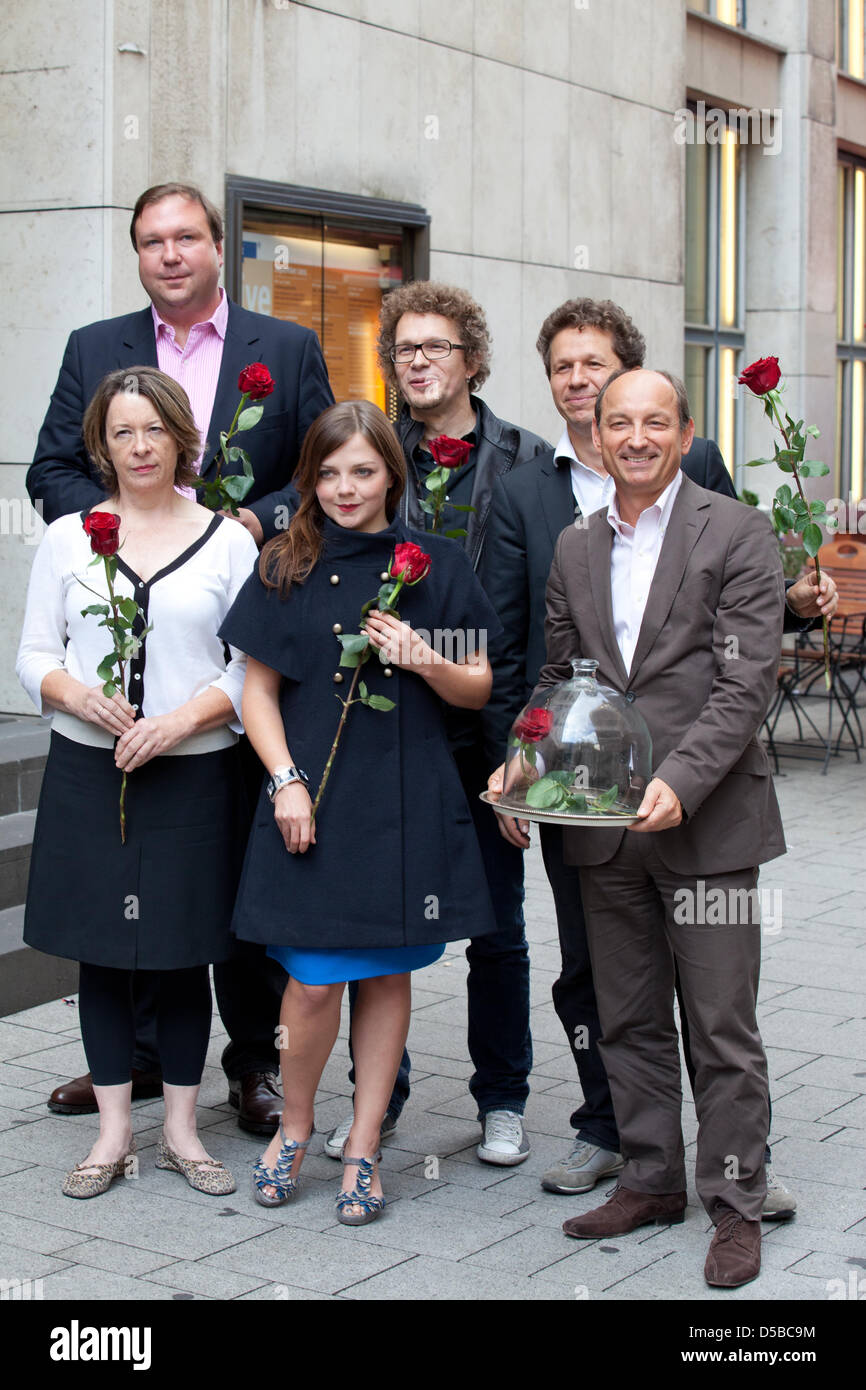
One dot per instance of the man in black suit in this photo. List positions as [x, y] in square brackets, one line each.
[192, 331]
[581, 343]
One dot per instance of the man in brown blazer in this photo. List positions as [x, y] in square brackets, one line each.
[677, 593]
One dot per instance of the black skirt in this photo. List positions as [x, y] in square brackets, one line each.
[161, 901]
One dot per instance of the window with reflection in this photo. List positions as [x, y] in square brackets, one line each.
[851, 37]
[713, 289]
[324, 260]
[725, 11]
[851, 329]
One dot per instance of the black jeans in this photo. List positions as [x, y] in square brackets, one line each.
[575, 1003]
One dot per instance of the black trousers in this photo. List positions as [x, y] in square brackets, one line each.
[249, 986]
[182, 1016]
[575, 1002]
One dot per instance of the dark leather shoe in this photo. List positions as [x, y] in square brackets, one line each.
[734, 1256]
[77, 1097]
[625, 1211]
[258, 1102]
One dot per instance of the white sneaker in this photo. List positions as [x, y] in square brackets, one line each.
[504, 1141]
[336, 1140]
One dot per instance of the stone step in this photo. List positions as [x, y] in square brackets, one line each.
[27, 977]
[23, 750]
[16, 840]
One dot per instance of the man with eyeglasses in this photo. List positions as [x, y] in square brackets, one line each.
[434, 349]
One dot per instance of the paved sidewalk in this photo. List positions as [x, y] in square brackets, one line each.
[457, 1228]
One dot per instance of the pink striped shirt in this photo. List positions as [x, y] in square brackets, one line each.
[195, 366]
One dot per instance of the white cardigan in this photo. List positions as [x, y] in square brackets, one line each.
[186, 602]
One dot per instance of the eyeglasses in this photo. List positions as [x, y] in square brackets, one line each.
[433, 348]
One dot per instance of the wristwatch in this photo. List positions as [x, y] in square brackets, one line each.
[283, 776]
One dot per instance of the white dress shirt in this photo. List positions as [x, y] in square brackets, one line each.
[633, 559]
[591, 490]
[186, 603]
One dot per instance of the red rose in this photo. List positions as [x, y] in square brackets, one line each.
[534, 725]
[256, 381]
[762, 376]
[449, 453]
[410, 561]
[103, 528]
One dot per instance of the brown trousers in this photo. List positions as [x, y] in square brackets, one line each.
[641, 917]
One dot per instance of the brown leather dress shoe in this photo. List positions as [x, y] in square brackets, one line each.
[77, 1097]
[734, 1256]
[258, 1102]
[625, 1211]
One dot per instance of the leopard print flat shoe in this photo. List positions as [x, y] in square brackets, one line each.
[92, 1179]
[204, 1174]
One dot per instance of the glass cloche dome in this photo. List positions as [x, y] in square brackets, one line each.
[584, 755]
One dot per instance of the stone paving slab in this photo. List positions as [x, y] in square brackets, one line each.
[325, 1263]
[455, 1228]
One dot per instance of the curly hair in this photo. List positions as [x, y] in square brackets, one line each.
[430, 297]
[629, 343]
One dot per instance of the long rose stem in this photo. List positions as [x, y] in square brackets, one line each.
[231, 430]
[121, 669]
[327, 772]
[824, 625]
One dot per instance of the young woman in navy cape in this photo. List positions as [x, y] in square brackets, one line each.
[389, 870]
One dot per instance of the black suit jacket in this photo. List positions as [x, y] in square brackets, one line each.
[531, 507]
[61, 474]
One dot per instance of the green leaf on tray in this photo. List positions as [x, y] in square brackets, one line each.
[545, 795]
[605, 801]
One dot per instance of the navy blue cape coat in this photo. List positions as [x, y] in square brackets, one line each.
[396, 862]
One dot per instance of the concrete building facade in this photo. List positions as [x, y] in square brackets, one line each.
[548, 148]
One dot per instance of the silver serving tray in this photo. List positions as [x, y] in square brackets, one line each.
[574, 819]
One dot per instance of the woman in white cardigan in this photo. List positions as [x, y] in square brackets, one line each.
[161, 901]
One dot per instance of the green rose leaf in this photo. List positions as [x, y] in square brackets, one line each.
[576, 801]
[783, 495]
[605, 801]
[96, 610]
[353, 641]
[813, 539]
[105, 669]
[129, 609]
[814, 468]
[545, 794]
[362, 690]
[237, 485]
[814, 431]
[456, 534]
[784, 465]
[250, 417]
[350, 659]
[109, 690]
[460, 507]
[784, 518]
[380, 702]
[756, 463]
[428, 507]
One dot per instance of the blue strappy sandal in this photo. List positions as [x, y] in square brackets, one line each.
[280, 1176]
[371, 1207]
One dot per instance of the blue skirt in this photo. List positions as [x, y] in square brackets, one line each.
[330, 967]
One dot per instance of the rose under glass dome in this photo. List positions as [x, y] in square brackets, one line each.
[583, 754]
